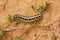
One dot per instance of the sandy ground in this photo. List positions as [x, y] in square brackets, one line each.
[51, 19]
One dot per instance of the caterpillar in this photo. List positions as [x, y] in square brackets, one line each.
[25, 18]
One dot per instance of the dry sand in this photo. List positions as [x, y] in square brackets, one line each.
[51, 19]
